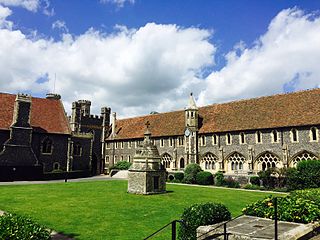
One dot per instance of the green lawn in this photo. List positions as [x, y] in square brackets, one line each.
[104, 210]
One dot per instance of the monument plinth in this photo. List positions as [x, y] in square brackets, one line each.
[146, 175]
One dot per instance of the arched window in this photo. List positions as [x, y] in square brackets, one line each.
[258, 137]
[214, 139]
[56, 166]
[236, 161]
[228, 139]
[274, 136]
[294, 135]
[313, 134]
[166, 160]
[182, 163]
[303, 156]
[77, 149]
[47, 146]
[209, 160]
[267, 160]
[242, 138]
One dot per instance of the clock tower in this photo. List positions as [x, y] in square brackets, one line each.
[191, 131]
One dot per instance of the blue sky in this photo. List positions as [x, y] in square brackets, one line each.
[141, 56]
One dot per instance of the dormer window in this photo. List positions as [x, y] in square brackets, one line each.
[258, 137]
[313, 134]
[228, 139]
[47, 146]
[242, 138]
[294, 135]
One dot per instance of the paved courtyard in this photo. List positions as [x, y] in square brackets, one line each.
[248, 227]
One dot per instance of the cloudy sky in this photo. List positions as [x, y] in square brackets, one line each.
[139, 56]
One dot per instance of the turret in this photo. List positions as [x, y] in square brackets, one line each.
[85, 107]
[75, 117]
[191, 114]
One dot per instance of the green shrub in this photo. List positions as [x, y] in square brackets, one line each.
[219, 179]
[122, 165]
[292, 208]
[268, 180]
[15, 227]
[231, 183]
[252, 187]
[190, 173]
[306, 175]
[255, 180]
[204, 178]
[310, 194]
[178, 176]
[201, 214]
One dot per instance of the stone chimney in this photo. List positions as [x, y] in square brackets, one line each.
[22, 111]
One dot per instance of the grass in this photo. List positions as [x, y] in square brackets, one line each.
[104, 210]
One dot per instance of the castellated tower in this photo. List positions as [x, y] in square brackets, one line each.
[191, 130]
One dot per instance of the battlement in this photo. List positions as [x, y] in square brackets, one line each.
[53, 96]
[84, 102]
[95, 116]
[23, 97]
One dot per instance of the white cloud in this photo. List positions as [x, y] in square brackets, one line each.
[61, 25]
[31, 5]
[118, 3]
[285, 58]
[134, 71]
[4, 13]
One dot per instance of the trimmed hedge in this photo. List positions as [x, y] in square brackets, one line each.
[16, 227]
[204, 178]
[201, 214]
[121, 165]
[219, 179]
[190, 173]
[301, 207]
[179, 176]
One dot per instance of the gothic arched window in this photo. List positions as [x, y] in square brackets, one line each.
[294, 135]
[166, 160]
[267, 160]
[47, 146]
[258, 137]
[303, 156]
[274, 136]
[242, 138]
[236, 161]
[313, 134]
[209, 161]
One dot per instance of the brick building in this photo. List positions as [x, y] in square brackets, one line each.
[239, 138]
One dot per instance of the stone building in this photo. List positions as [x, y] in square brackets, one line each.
[147, 175]
[36, 140]
[239, 137]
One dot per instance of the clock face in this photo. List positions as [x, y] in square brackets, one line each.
[187, 132]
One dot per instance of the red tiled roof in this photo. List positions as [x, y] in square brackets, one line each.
[282, 110]
[47, 115]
